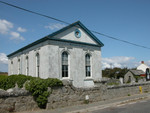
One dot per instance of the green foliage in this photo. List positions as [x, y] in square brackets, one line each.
[129, 81]
[38, 87]
[86, 102]
[114, 73]
[137, 78]
[42, 99]
[3, 81]
[113, 83]
[145, 91]
[51, 82]
[7, 82]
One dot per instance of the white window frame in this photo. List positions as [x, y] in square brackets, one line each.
[27, 65]
[68, 77]
[88, 77]
[37, 65]
[19, 66]
[12, 71]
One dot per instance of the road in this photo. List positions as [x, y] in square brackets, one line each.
[142, 106]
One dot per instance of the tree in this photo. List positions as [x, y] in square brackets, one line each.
[114, 73]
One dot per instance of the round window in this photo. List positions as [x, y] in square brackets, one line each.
[77, 33]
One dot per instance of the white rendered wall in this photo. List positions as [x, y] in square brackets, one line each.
[76, 63]
[42, 49]
[142, 67]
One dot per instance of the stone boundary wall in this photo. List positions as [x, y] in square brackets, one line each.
[17, 99]
[69, 95]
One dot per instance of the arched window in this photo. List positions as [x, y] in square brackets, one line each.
[27, 65]
[19, 66]
[12, 68]
[64, 64]
[87, 65]
[38, 65]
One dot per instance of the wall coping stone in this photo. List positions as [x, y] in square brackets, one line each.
[14, 92]
[128, 85]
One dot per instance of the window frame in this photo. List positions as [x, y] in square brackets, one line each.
[88, 74]
[27, 65]
[12, 71]
[37, 64]
[19, 66]
[65, 64]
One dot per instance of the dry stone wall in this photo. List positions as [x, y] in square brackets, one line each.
[17, 99]
[69, 95]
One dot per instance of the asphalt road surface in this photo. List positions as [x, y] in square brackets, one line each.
[142, 106]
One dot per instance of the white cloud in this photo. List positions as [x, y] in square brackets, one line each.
[119, 61]
[55, 26]
[6, 29]
[3, 62]
[5, 26]
[20, 29]
[3, 58]
[16, 36]
[146, 62]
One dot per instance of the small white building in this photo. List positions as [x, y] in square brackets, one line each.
[72, 53]
[143, 66]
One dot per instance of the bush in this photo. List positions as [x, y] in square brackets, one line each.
[52, 82]
[21, 79]
[137, 78]
[3, 81]
[38, 87]
[7, 82]
[42, 99]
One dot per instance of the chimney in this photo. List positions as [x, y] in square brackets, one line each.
[142, 62]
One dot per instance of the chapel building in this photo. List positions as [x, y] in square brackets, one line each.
[72, 53]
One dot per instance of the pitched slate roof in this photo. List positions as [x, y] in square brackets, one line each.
[51, 37]
[137, 72]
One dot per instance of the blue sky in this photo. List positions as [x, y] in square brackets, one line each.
[123, 19]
